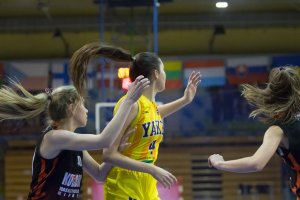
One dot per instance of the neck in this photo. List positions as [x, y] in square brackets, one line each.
[150, 93]
[67, 125]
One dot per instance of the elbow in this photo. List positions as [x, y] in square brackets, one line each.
[108, 156]
[258, 167]
[100, 179]
[104, 142]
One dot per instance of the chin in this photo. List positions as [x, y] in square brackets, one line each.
[82, 124]
[162, 89]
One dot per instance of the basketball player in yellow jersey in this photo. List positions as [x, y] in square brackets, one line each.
[134, 175]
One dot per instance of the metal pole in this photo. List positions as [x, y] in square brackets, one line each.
[155, 26]
[101, 20]
[101, 38]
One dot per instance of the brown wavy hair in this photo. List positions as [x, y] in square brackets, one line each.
[81, 58]
[141, 64]
[279, 100]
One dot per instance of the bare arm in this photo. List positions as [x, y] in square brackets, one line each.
[113, 156]
[58, 140]
[189, 94]
[257, 161]
[98, 172]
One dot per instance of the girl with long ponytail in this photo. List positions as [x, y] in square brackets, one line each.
[61, 154]
[134, 174]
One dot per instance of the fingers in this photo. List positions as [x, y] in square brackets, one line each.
[195, 78]
[169, 180]
[214, 159]
[135, 89]
[173, 179]
[124, 146]
[129, 132]
[138, 79]
[192, 75]
[142, 84]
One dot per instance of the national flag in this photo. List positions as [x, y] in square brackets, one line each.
[173, 71]
[59, 74]
[247, 69]
[212, 70]
[286, 60]
[32, 75]
[107, 74]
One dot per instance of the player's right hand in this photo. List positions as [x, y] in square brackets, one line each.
[136, 88]
[164, 177]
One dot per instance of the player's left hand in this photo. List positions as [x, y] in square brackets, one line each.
[191, 88]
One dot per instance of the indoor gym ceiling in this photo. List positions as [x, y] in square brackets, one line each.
[185, 26]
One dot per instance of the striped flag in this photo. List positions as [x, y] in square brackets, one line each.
[32, 75]
[247, 70]
[173, 71]
[286, 60]
[107, 75]
[59, 74]
[213, 71]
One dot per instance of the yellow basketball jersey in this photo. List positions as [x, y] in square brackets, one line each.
[145, 141]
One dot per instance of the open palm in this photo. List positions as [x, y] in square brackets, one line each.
[191, 88]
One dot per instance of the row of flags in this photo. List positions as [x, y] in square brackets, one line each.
[235, 70]
[215, 72]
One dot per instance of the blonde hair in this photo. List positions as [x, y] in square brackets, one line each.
[26, 105]
[279, 101]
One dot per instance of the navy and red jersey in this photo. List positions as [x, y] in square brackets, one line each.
[291, 155]
[59, 178]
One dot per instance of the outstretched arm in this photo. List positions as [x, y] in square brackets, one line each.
[189, 94]
[256, 162]
[58, 140]
[100, 172]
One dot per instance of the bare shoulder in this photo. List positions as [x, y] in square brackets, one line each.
[51, 143]
[274, 131]
[58, 135]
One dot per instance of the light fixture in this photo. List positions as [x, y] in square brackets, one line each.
[222, 4]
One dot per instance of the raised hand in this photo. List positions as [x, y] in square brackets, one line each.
[164, 177]
[191, 88]
[136, 88]
[213, 159]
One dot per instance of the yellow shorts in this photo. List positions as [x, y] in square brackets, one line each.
[123, 184]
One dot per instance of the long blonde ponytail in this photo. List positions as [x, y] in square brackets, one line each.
[20, 106]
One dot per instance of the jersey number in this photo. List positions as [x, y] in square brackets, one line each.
[152, 145]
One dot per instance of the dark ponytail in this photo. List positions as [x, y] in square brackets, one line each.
[81, 58]
[144, 63]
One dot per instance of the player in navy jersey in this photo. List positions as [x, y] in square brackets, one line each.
[61, 154]
[277, 104]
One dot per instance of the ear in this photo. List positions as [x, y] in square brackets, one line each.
[156, 74]
[71, 109]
